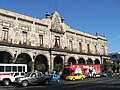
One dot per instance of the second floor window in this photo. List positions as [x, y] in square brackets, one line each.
[95, 49]
[57, 42]
[24, 37]
[88, 48]
[41, 40]
[5, 34]
[102, 49]
[71, 45]
[80, 47]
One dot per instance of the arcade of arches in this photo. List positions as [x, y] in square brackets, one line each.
[40, 62]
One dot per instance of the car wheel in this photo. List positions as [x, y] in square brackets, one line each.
[6, 82]
[82, 78]
[58, 80]
[24, 83]
[73, 79]
[46, 82]
[94, 75]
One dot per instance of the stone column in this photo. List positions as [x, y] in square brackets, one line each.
[50, 64]
[64, 60]
[32, 62]
[32, 65]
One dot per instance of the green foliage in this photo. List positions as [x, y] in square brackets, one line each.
[115, 65]
[30, 63]
[11, 60]
[106, 66]
[58, 67]
[42, 67]
[17, 60]
[109, 66]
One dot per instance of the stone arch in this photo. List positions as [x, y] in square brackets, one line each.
[24, 58]
[6, 57]
[89, 61]
[11, 53]
[41, 63]
[58, 63]
[81, 61]
[97, 61]
[72, 59]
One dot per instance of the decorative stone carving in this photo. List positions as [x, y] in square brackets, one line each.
[56, 25]
[6, 23]
[24, 27]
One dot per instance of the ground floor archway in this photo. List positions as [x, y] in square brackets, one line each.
[58, 64]
[24, 58]
[41, 63]
[72, 60]
[89, 61]
[97, 61]
[81, 61]
[5, 57]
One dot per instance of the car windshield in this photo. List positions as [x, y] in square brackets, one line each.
[27, 74]
[77, 74]
[51, 75]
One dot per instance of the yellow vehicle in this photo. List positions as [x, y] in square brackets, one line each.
[75, 77]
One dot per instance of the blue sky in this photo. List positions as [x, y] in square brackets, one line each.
[102, 16]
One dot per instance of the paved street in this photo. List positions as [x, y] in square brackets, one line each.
[102, 83]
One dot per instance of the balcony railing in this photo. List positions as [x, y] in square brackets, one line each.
[28, 46]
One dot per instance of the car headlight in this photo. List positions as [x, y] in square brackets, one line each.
[1, 79]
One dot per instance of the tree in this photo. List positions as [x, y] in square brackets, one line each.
[106, 66]
[58, 67]
[42, 68]
[31, 66]
[15, 60]
[115, 66]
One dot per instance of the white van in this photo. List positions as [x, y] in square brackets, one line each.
[8, 72]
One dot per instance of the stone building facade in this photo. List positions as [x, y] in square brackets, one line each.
[47, 41]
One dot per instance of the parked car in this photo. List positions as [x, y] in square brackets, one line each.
[75, 77]
[107, 74]
[55, 77]
[33, 77]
